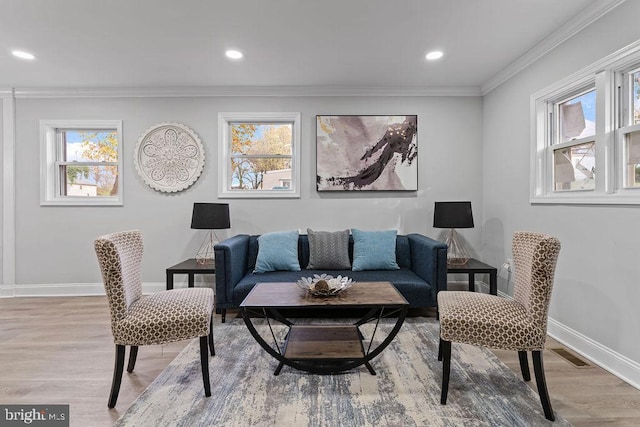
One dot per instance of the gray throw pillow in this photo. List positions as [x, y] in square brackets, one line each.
[328, 250]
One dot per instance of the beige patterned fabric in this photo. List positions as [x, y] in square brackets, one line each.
[154, 319]
[509, 324]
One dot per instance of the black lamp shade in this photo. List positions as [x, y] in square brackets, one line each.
[452, 215]
[210, 216]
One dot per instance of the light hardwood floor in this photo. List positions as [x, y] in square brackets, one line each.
[60, 351]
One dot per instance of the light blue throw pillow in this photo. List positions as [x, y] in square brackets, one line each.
[277, 251]
[374, 250]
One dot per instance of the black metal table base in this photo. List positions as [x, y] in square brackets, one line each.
[322, 365]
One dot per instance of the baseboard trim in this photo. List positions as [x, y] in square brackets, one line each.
[67, 289]
[6, 291]
[617, 364]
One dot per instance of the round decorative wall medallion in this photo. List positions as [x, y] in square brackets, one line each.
[169, 157]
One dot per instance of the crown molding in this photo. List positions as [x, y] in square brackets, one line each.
[585, 18]
[589, 15]
[214, 91]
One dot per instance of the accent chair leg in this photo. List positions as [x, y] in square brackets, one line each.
[440, 350]
[446, 368]
[223, 314]
[204, 361]
[133, 355]
[524, 365]
[538, 369]
[117, 375]
[211, 347]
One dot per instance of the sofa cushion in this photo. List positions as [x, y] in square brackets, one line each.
[374, 250]
[403, 251]
[328, 250]
[303, 251]
[277, 251]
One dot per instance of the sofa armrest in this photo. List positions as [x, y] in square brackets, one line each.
[429, 261]
[231, 266]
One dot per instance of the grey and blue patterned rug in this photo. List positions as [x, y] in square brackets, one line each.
[405, 392]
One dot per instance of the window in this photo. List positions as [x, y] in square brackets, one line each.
[259, 154]
[573, 144]
[585, 145]
[630, 128]
[81, 162]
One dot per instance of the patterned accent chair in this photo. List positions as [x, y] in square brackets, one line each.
[509, 324]
[159, 318]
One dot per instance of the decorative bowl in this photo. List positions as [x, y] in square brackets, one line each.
[325, 285]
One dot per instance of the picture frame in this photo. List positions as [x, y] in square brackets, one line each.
[366, 153]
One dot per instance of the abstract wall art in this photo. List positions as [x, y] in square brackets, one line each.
[367, 153]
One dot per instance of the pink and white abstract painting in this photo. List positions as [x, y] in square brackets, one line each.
[367, 153]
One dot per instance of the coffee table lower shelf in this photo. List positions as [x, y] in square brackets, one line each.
[324, 344]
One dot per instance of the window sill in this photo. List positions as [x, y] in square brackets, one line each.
[80, 202]
[608, 199]
[262, 194]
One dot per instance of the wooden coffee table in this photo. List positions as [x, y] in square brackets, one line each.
[324, 347]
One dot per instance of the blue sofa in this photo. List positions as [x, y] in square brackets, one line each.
[422, 273]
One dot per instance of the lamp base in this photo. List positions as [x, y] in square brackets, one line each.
[456, 252]
[205, 254]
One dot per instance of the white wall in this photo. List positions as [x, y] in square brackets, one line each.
[469, 148]
[1, 189]
[595, 299]
[54, 244]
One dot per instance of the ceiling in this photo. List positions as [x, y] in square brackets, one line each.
[286, 43]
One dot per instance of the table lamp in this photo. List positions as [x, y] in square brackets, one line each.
[209, 216]
[454, 215]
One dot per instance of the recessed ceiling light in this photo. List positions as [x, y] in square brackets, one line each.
[436, 54]
[23, 55]
[233, 54]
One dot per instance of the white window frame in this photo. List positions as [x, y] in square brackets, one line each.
[50, 185]
[555, 142]
[625, 118]
[224, 154]
[608, 77]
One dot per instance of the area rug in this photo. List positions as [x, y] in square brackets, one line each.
[405, 392]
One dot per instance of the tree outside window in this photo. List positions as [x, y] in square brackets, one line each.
[259, 155]
[260, 152]
[87, 156]
[81, 162]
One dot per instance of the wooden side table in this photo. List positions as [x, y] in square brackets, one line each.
[471, 268]
[191, 268]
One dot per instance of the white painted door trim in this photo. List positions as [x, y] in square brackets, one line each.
[8, 193]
